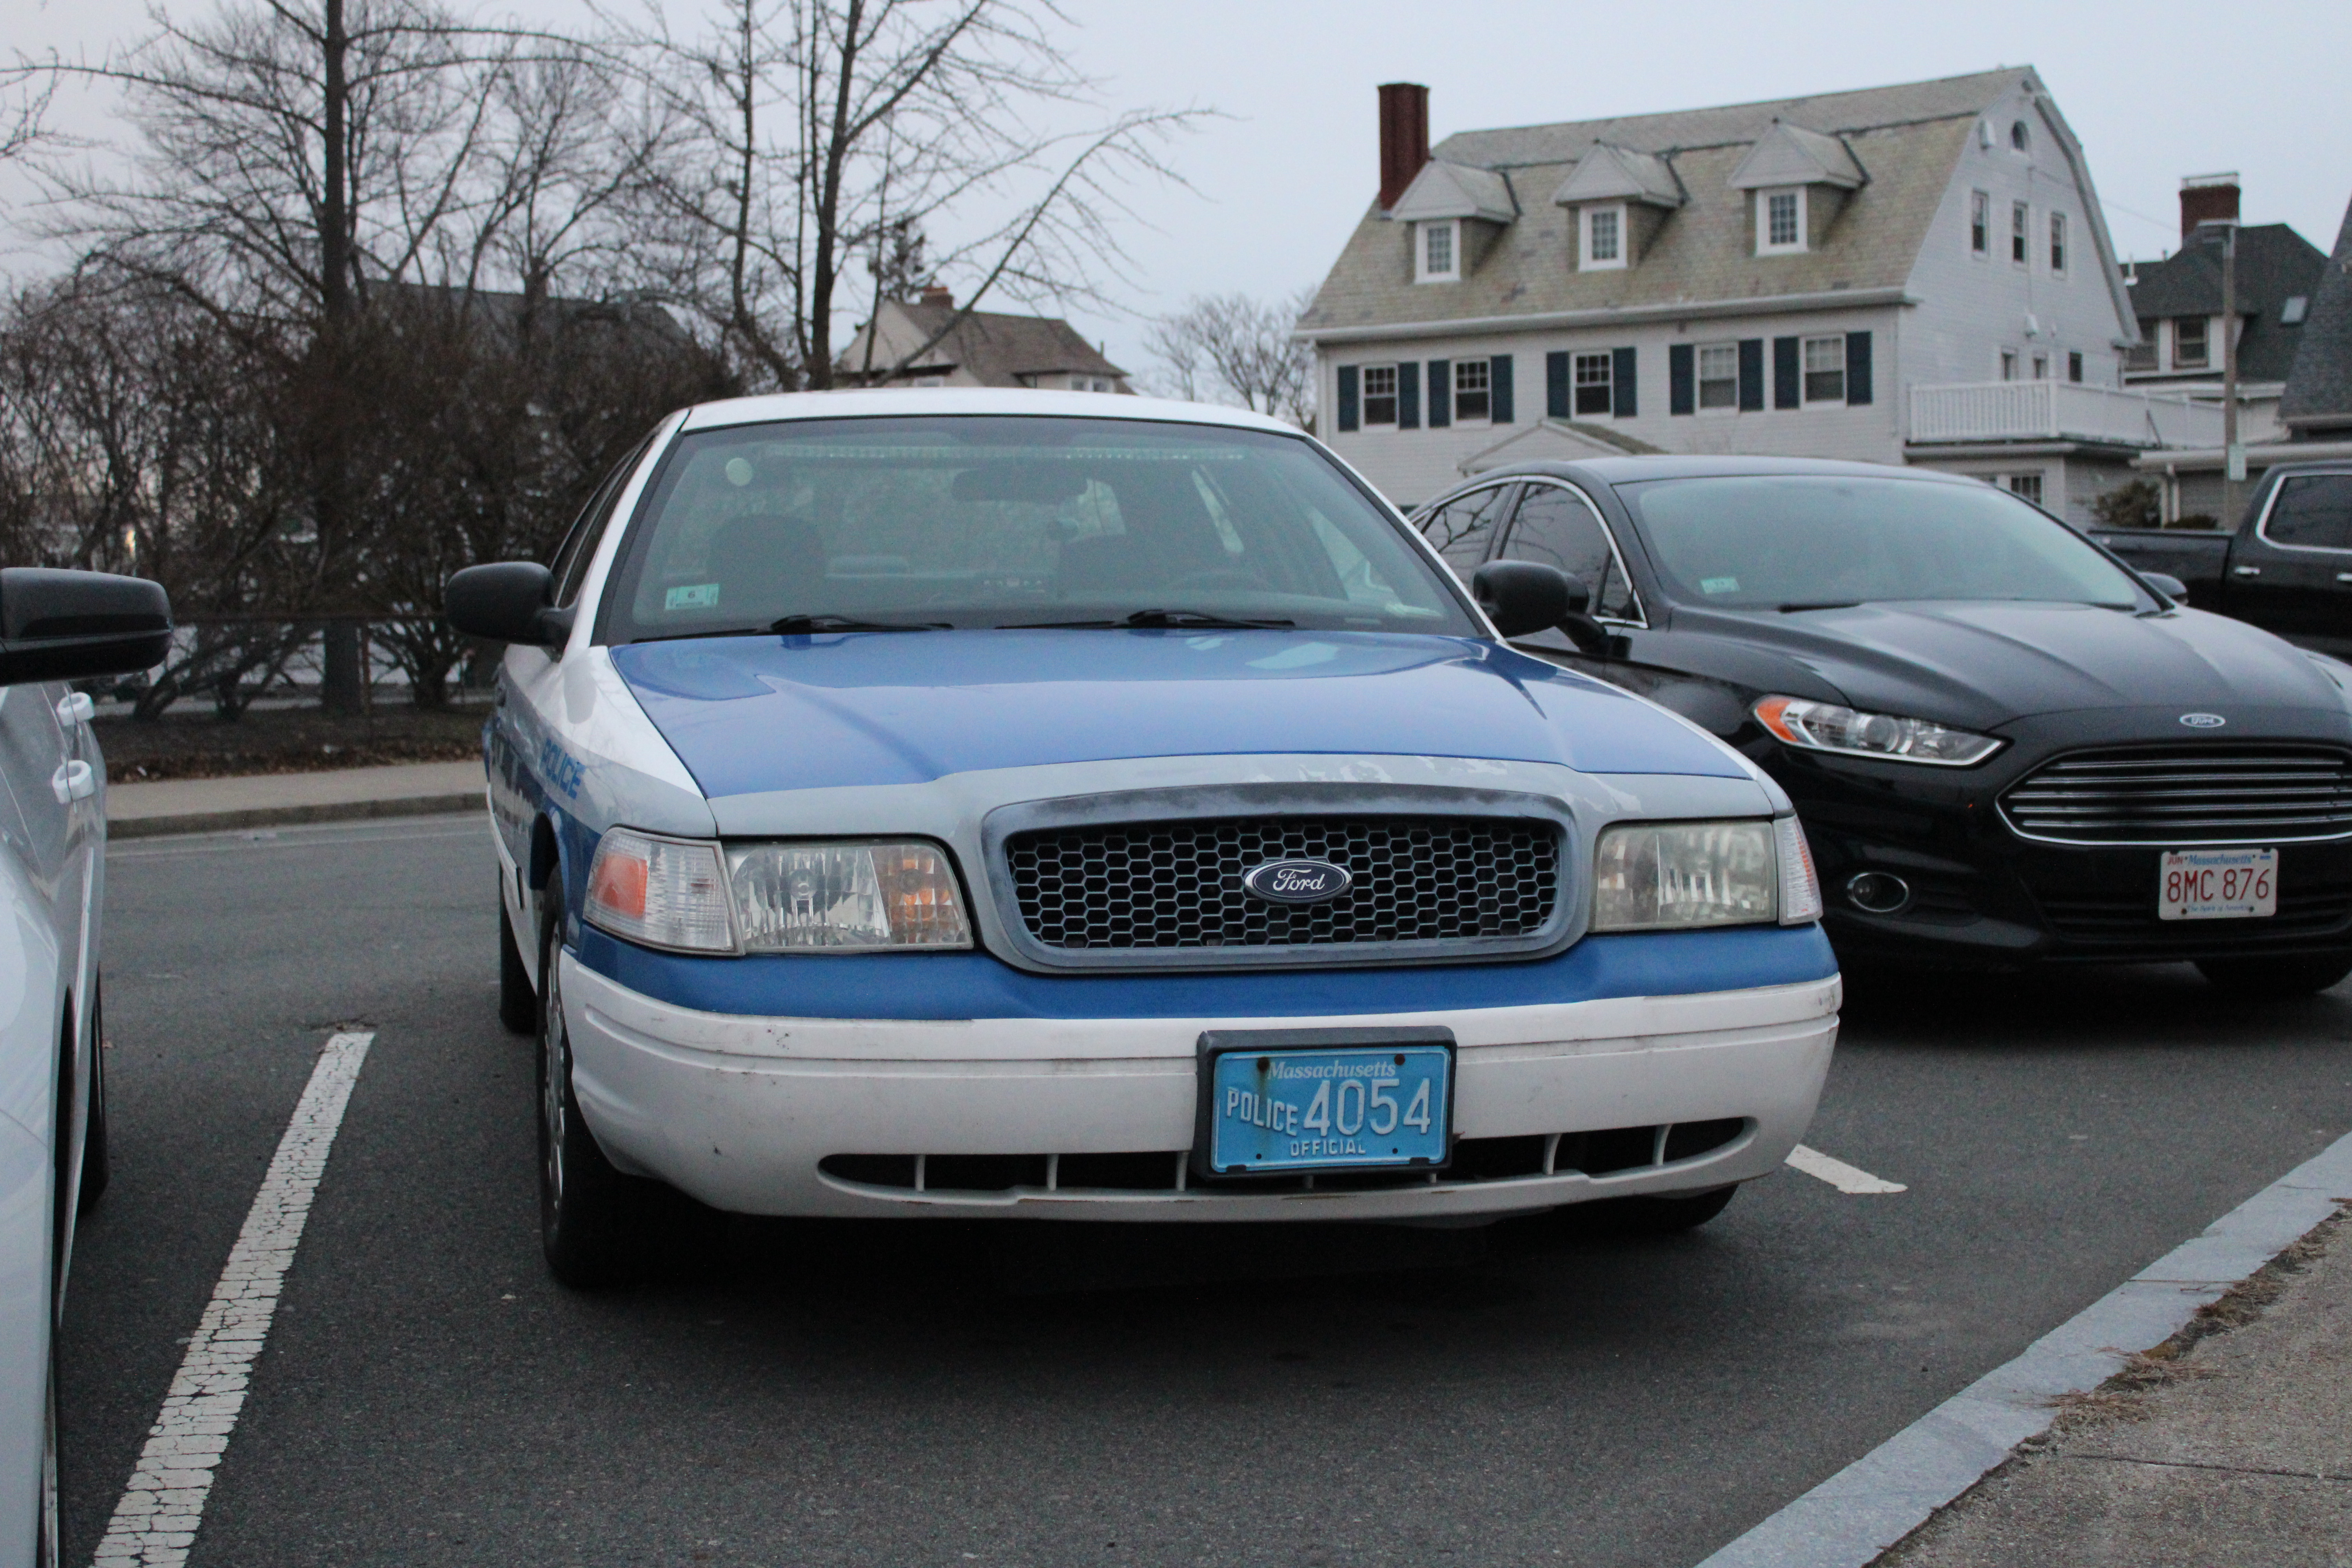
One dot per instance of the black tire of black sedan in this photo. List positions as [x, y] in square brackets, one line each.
[2255, 978]
[587, 1210]
[97, 1164]
[517, 998]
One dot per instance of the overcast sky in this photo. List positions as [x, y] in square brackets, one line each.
[2155, 89]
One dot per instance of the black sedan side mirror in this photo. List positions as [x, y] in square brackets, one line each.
[1523, 596]
[64, 625]
[507, 601]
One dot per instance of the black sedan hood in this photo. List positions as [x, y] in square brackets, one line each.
[1981, 664]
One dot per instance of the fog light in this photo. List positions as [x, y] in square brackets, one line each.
[1879, 892]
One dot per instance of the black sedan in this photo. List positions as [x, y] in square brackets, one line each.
[2006, 747]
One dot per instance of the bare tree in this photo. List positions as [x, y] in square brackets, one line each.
[1229, 348]
[824, 133]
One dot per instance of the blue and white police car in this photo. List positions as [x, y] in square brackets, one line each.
[952, 803]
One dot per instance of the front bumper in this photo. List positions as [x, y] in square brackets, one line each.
[756, 1114]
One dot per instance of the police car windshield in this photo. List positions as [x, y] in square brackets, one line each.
[1001, 521]
[1766, 541]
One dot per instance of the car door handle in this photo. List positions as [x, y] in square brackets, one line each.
[73, 780]
[2344, 576]
[2247, 571]
[75, 708]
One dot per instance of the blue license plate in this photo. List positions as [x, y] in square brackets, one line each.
[1360, 1105]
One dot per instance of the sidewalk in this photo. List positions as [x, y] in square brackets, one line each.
[268, 800]
[2236, 1449]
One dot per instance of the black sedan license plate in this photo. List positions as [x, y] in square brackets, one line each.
[2217, 884]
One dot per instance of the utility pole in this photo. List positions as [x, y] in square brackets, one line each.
[2233, 456]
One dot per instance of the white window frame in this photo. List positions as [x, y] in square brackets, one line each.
[2060, 243]
[1586, 259]
[1482, 371]
[2021, 234]
[1764, 246]
[1364, 395]
[1980, 224]
[2009, 364]
[2015, 484]
[1424, 233]
[1700, 378]
[2042, 365]
[1607, 382]
[1805, 371]
[2172, 341]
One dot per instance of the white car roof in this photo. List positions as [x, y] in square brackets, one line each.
[872, 403]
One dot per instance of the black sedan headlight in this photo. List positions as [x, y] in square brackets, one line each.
[1826, 727]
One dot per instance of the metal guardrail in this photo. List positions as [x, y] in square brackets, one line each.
[2058, 411]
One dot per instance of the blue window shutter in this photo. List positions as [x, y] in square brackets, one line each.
[1348, 420]
[1440, 394]
[1857, 367]
[1682, 379]
[1408, 396]
[1621, 384]
[1788, 379]
[1499, 383]
[1556, 386]
[1752, 374]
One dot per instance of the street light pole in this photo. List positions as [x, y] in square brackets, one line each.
[2233, 456]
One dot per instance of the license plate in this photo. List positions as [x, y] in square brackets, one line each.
[1314, 1100]
[2217, 884]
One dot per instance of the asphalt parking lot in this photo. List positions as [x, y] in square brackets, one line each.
[820, 1394]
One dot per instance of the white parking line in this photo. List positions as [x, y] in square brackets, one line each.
[155, 1522]
[1845, 1178]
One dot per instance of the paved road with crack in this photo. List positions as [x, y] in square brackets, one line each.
[956, 1393]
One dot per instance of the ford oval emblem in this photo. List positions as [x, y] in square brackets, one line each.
[2203, 720]
[1299, 881]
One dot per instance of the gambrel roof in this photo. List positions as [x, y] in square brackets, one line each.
[1895, 149]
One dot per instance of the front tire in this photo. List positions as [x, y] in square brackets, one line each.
[2256, 978]
[517, 998]
[585, 1206]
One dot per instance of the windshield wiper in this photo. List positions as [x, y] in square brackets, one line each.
[1825, 605]
[1152, 620]
[811, 625]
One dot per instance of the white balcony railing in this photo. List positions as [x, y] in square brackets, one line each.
[2060, 411]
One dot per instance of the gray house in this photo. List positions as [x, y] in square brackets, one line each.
[925, 342]
[1904, 274]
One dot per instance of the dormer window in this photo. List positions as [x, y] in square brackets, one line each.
[1440, 255]
[1603, 237]
[1781, 221]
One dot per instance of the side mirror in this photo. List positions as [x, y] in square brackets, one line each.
[507, 601]
[2165, 584]
[64, 625]
[1523, 596]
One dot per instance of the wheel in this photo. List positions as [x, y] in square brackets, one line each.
[1664, 1216]
[97, 1164]
[585, 1206]
[2258, 977]
[517, 1001]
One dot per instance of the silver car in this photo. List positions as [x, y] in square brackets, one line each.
[55, 627]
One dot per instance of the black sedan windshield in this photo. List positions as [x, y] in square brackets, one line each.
[1003, 520]
[1788, 541]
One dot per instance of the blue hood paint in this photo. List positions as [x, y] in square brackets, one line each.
[758, 713]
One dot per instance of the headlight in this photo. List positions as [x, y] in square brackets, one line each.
[663, 892]
[1826, 727]
[1662, 876]
[792, 898]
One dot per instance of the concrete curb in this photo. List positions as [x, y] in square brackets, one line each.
[160, 825]
[1858, 1513]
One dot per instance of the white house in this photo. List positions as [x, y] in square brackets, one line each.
[1905, 274]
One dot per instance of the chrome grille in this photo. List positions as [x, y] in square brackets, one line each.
[2186, 794]
[1179, 884]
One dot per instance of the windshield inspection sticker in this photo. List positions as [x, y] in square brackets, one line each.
[1718, 584]
[693, 596]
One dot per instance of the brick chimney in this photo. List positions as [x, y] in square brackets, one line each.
[2207, 198]
[1404, 137]
[935, 294]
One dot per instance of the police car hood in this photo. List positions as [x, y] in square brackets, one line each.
[761, 713]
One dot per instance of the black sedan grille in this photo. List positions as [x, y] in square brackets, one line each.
[2131, 919]
[1179, 884]
[2187, 794]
